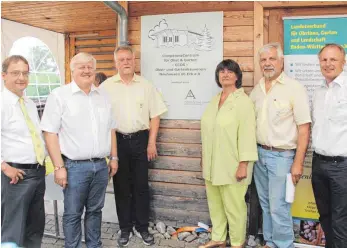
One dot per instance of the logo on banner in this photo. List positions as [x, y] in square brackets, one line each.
[190, 95]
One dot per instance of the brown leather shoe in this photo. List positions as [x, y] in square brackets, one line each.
[214, 244]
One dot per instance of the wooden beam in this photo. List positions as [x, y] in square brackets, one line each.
[258, 38]
[141, 8]
[72, 53]
[301, 4]
[67, 58]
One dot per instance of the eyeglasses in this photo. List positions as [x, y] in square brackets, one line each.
[18, 73]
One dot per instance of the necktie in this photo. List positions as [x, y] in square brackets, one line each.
[38, 144]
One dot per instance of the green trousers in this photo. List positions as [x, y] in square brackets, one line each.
[227, 205]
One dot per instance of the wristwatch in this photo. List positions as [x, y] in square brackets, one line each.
[58, 167]
[113, 158]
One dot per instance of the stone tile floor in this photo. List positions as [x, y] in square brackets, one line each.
[109, 237]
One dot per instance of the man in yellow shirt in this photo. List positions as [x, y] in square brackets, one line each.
[283, 131]
[137, 107]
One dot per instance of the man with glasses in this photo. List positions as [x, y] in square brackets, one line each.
[22, 159]
[137, 108]
[80, 132]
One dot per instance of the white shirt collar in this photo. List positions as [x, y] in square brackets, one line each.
[12, 98]
[75, 88]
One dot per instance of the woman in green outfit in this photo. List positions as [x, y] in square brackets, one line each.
[228, 152]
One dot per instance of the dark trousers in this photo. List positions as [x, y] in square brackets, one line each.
[23, 209]
[329, 181]
[130, 183]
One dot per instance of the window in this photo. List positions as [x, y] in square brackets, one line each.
[176, 38]
[170, 39]
[44, 71]
[165, 39]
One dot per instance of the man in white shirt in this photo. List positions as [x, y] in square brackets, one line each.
[329, 141]
[22, 176]
[137, 107]
[80, 132]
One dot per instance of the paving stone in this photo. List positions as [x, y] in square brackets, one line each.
[190, 238]
[48, 227]
[171, 243]
[170, 230]
[48, 240]
[112, 230]
[106, 224]
[161, 227]
[183, 235]
[109, 242]
[60, 242]
[106, 235]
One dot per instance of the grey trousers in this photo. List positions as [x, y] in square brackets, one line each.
[23, 209]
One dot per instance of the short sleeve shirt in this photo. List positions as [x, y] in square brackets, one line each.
[279, 111]
[133, 104]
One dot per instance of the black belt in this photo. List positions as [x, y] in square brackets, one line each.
[83, 160]
[271, 148]
[131, 135]
[25, 166]
[330, 158]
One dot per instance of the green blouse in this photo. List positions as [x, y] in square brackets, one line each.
[228, 136]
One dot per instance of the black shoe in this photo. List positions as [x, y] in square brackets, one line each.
[123, 240]
[147, 238]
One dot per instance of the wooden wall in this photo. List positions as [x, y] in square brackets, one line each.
[177, 186]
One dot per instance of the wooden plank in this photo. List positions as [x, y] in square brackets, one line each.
[134, 37]
[137, 8]
[301, 4]
[181, 177]
[92, 42]
[188, 124]
[231, 18]
[67, 58]
[238, 33]
[179, 150]
[258, 37]
[180, 203]
[246, 63]
[247, 79]
[108, 57]
[97, 33]
[266, 26]
[72, 53]
[276, 26]
[176, 163]
[238, 18]
[181, 215]
[183, 136]
[107, 65]
[232, 49]
[96, 49]
[175, 189]
[134, 23]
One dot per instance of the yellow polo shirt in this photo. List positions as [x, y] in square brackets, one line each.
[228, 137]
[133, 104]
[280, 111]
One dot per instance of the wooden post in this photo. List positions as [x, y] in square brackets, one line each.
[67, 59]
[258, 38]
